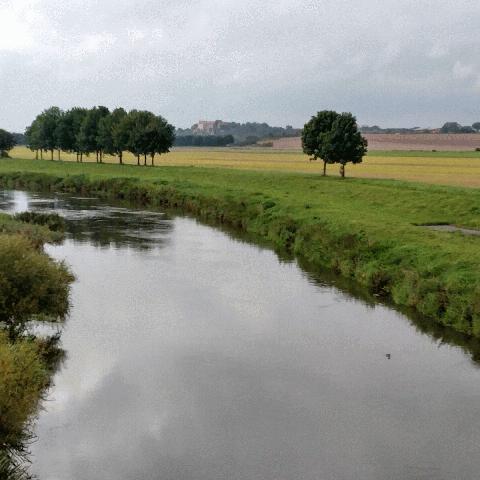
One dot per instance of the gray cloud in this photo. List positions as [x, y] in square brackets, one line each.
[390, 62]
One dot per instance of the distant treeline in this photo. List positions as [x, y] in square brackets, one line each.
[203, 140]
[97, 130]
[241, 132]
[448, 127]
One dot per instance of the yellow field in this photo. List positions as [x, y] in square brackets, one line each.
[429, 169]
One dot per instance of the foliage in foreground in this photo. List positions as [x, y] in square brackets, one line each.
[32, 286]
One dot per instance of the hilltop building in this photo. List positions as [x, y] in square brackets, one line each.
[207, 127]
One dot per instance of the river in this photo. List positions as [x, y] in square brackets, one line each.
[194, 355]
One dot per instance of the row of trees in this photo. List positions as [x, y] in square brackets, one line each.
[97, 130]
[204, 141]
[455, 127]
[334, 138]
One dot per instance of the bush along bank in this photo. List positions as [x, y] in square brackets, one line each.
[410, 271]
[33, 286]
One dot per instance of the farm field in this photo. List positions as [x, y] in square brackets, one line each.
[406, 141]
[442, 168]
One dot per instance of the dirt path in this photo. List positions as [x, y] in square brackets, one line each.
[453, 228]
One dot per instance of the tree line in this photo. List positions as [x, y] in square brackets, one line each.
[455, 127]
[204, 140]
[100, 131]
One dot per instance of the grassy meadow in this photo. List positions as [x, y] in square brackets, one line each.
[441, 168]
[365, 229]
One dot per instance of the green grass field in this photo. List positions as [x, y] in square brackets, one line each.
[442, 168]
[365, 229]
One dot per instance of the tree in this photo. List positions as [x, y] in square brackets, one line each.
[32, 137]
[109, 138]
[160, 136]
[344, 143]
[476, 126]
[42, 133]
[49, 120]
[7, 142]
[87, 136]
[451, 127]
[68, 129]
[147, 134]
[314, 134]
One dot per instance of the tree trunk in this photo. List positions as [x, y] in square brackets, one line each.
[144, 159]
[342, 170]
[58, 154]
[41, 154]
[76, 154]
[153, 159]
[81, 157]
[36, 154]
[138, 159]
[324, 168]
[120, 159]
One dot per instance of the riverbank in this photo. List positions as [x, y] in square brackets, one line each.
[366, 230]
[32, 286]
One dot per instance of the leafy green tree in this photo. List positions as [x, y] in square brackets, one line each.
[314, 134]
[41, 135]
[7, 142]
[139, 124]
[344, 143]
[160, 136]
[49, 120]
[87, 136]
[110, 139]
[476, 126]
[68, 129]
[32, 137]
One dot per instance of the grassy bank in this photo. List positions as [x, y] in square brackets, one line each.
[367, 230]
[443, 168]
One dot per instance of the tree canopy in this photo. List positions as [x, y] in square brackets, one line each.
[7, 142]
[99, 131]
[334, 138]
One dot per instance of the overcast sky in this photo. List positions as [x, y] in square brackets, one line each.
[390, 62]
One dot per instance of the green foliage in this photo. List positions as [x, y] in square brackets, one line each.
[334, 138]
[455, 127]
[31, 285]
[87, 138]
[7, 142]
[98, 131]
[204, 140]
[68, 129]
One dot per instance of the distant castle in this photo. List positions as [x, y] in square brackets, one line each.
[207, 127]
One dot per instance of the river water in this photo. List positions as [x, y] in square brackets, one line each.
[192, 355]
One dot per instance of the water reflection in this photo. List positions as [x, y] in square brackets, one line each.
[88, 220]
[208, 359]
